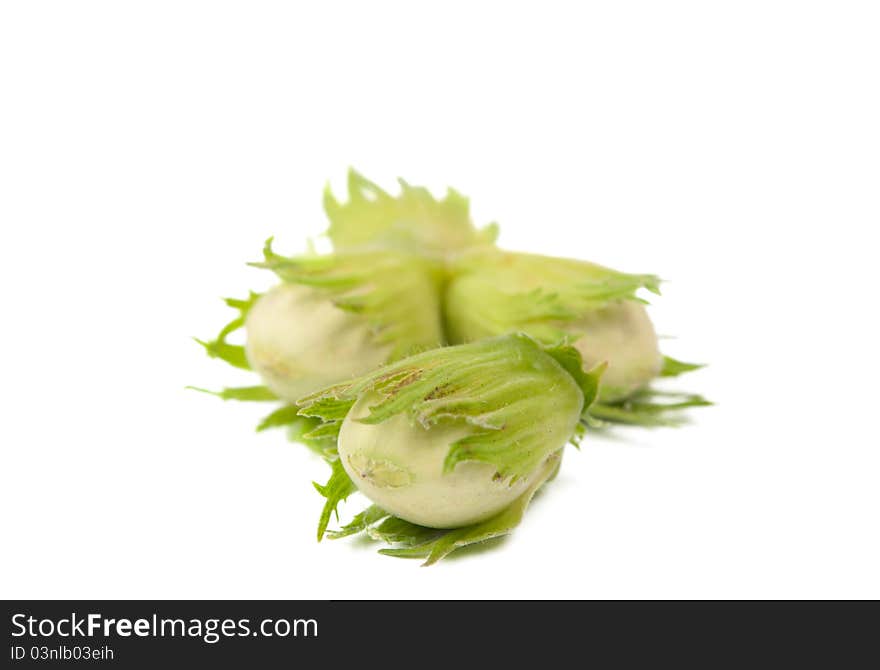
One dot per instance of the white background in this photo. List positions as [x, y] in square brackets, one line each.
[147, 149]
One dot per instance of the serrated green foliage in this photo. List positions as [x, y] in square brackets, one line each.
[336, 490]
[398, 531]
[674, 368]
[414, 221]
[397, 294]
[372, 515]
[648, 408]
[324, 430]
[330, 412]
[229, 353]
[298, 427]
[243, 393]
[286, 415]
[508, 389]
[494, 292]
[233, 354]
[570, 360]
[379, 525]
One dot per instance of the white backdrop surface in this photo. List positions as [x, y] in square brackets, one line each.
[147, 150]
